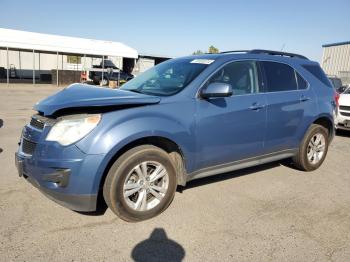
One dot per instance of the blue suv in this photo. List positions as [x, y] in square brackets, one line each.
[183, 119]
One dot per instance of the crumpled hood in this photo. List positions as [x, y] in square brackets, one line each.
[83, 96]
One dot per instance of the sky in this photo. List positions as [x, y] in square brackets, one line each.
[178, 28]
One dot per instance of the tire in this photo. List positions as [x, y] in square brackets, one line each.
[307, 158]
[96, 80]
[142, 204]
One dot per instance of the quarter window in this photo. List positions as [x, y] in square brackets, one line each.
[279, 77]
[318, 73]
[242, 76]
[302, 84]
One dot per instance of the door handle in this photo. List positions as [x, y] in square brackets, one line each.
[256, 106]
[304, 98]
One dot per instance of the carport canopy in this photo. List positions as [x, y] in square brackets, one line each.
[15, 39]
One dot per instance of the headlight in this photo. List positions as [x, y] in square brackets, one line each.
[70, 129]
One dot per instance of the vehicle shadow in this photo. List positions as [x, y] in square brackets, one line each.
[158, 247]
[102, 206]
[343, 133]
[230, 175]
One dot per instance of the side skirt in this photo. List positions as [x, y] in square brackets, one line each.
[240, 164]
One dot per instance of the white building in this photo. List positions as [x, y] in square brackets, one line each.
[336, 60]
[37, 57]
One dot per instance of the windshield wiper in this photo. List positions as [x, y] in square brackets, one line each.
[134, 90]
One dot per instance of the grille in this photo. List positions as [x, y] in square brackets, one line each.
[34, 122]
[345, 114]
[28, 147]
[347, 108]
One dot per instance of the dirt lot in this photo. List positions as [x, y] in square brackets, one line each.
[268, 213]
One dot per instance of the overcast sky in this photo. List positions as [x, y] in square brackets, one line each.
[176, 28]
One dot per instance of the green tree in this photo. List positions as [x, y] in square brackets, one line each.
[198, 52]
[213, 50]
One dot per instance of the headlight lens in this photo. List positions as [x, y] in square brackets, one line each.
[69, 130]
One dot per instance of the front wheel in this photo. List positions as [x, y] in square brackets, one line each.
[313, 149]
[140, 184]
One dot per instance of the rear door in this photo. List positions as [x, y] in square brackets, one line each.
[289, 99]
[231, 128]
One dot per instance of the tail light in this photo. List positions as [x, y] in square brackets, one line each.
[336, 99]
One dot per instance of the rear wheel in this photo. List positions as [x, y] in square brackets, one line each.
[140, 184]
[313, 149]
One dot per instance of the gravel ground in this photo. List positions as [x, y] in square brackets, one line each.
[266, 213]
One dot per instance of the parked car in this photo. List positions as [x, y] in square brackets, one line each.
[184, 119]
[337, 84]
[111, 73]
[342, 120]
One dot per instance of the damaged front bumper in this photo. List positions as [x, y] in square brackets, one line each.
[64, 174]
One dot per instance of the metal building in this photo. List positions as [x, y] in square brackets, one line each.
[27, 57]
[336, 60]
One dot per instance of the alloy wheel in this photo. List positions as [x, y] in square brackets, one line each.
[145, 186]
[316, 148]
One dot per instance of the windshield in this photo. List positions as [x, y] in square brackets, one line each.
[167, 78]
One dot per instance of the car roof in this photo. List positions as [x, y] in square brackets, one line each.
[250, 54]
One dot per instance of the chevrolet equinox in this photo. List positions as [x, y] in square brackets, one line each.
[183, 119]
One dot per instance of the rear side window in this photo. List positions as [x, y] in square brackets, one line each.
[279, 77]
[318, 73]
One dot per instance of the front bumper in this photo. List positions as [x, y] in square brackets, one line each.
[342, 122]
[55, 183]
[63, 173]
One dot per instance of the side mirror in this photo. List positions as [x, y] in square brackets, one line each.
[217, 89]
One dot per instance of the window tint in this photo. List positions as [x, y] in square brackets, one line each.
[318, 73]
[242, 76]
[279, 77]
[302, 84]
[167, 78]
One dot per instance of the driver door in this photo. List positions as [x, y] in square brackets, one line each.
[232, 128]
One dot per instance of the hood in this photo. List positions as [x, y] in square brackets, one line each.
[78, 96]
[344, 99]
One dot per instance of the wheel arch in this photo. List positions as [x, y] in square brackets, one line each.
[173, 149]
[326, 122]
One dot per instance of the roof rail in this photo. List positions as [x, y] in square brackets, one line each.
[235, 51]
[266, 52]
[270, 52]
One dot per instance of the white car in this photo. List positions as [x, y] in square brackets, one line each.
[342, 120]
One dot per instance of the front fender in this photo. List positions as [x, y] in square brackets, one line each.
[120, 128]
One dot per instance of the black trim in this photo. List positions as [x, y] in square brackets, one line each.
[347, 108]
[240, 164]
[344, 113]
[279, 53]
[266, 52]
[262, 77]
[83, 203]
[60, 177]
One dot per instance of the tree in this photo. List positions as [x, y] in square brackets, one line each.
[198, 52]
[213, 50]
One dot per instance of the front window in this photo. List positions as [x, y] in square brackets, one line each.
[167, 78]
[242, 76]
